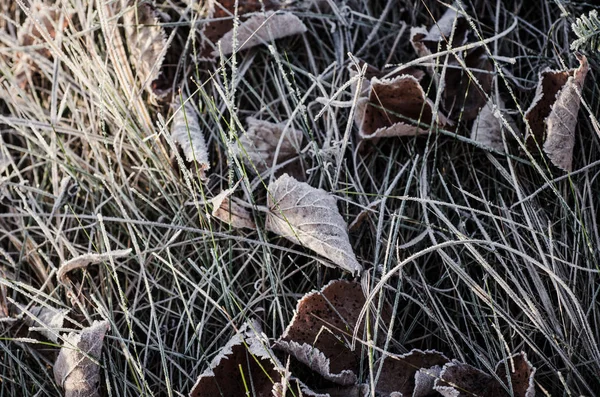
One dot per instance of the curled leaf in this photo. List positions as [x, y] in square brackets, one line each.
[147, 43]
[261, 28]
[309, 217]
[261, 140]
[245, 360]
[76, 369]
[562, 120]
[411, 373]
[186, 131]
[320, 332]
[230, 212]
[552, 116]
[458, 379]
[87, 259]
[396, 107]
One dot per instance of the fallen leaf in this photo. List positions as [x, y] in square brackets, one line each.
[87, 259]
[309, 217]
[245, 361]
[76, 369]
[464, 88]
[562, 120]
[230, 212]
[411, 373]
[487, 128]
[219, 20]
[260, 142]
[147, 43]
[552, 116]
[396, 107]
[458, 379]
[186, 131]
[46, 320]
[320, 331]
[260, 28]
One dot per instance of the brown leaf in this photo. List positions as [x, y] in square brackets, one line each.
[487, 128]
[463, 93]
[260, 141]
[310, 217]
[230, 212]
[260, 369]
[147, 43]
[220, 16]
[396, 107]
[320, 332]
[404, 373]
[552, 117]
[76, 369]
[261, 28]
[458, 379]
[186, 131]
[562, 120]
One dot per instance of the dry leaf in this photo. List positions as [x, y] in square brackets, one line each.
[186, 131]
[220, 16]
[395, 107]
[46, 321]
[230, 212]
[461, 96]
[458, 379]
[552, 117]
[562, 120]
[248, 349]
[310, 217]
[147, 43]
[487, 128]
[87, 259]
[411, 373]
[76, 369]
[261, 28]
[260, 142]
[320, 332]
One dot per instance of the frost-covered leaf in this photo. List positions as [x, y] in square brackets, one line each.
[261, 140]
[147, 43]
[220, 16]
[46, 320]
[562, 120]
[458, 379]
[186, 131]
[320, 332]
[407, 374]
[230, 212]
[261, 28]
[76, 369]
[88, 259]
[468, 76]
[248, 349]
[310, 217]
[552, 117]
[487, 128]
[395, 107]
